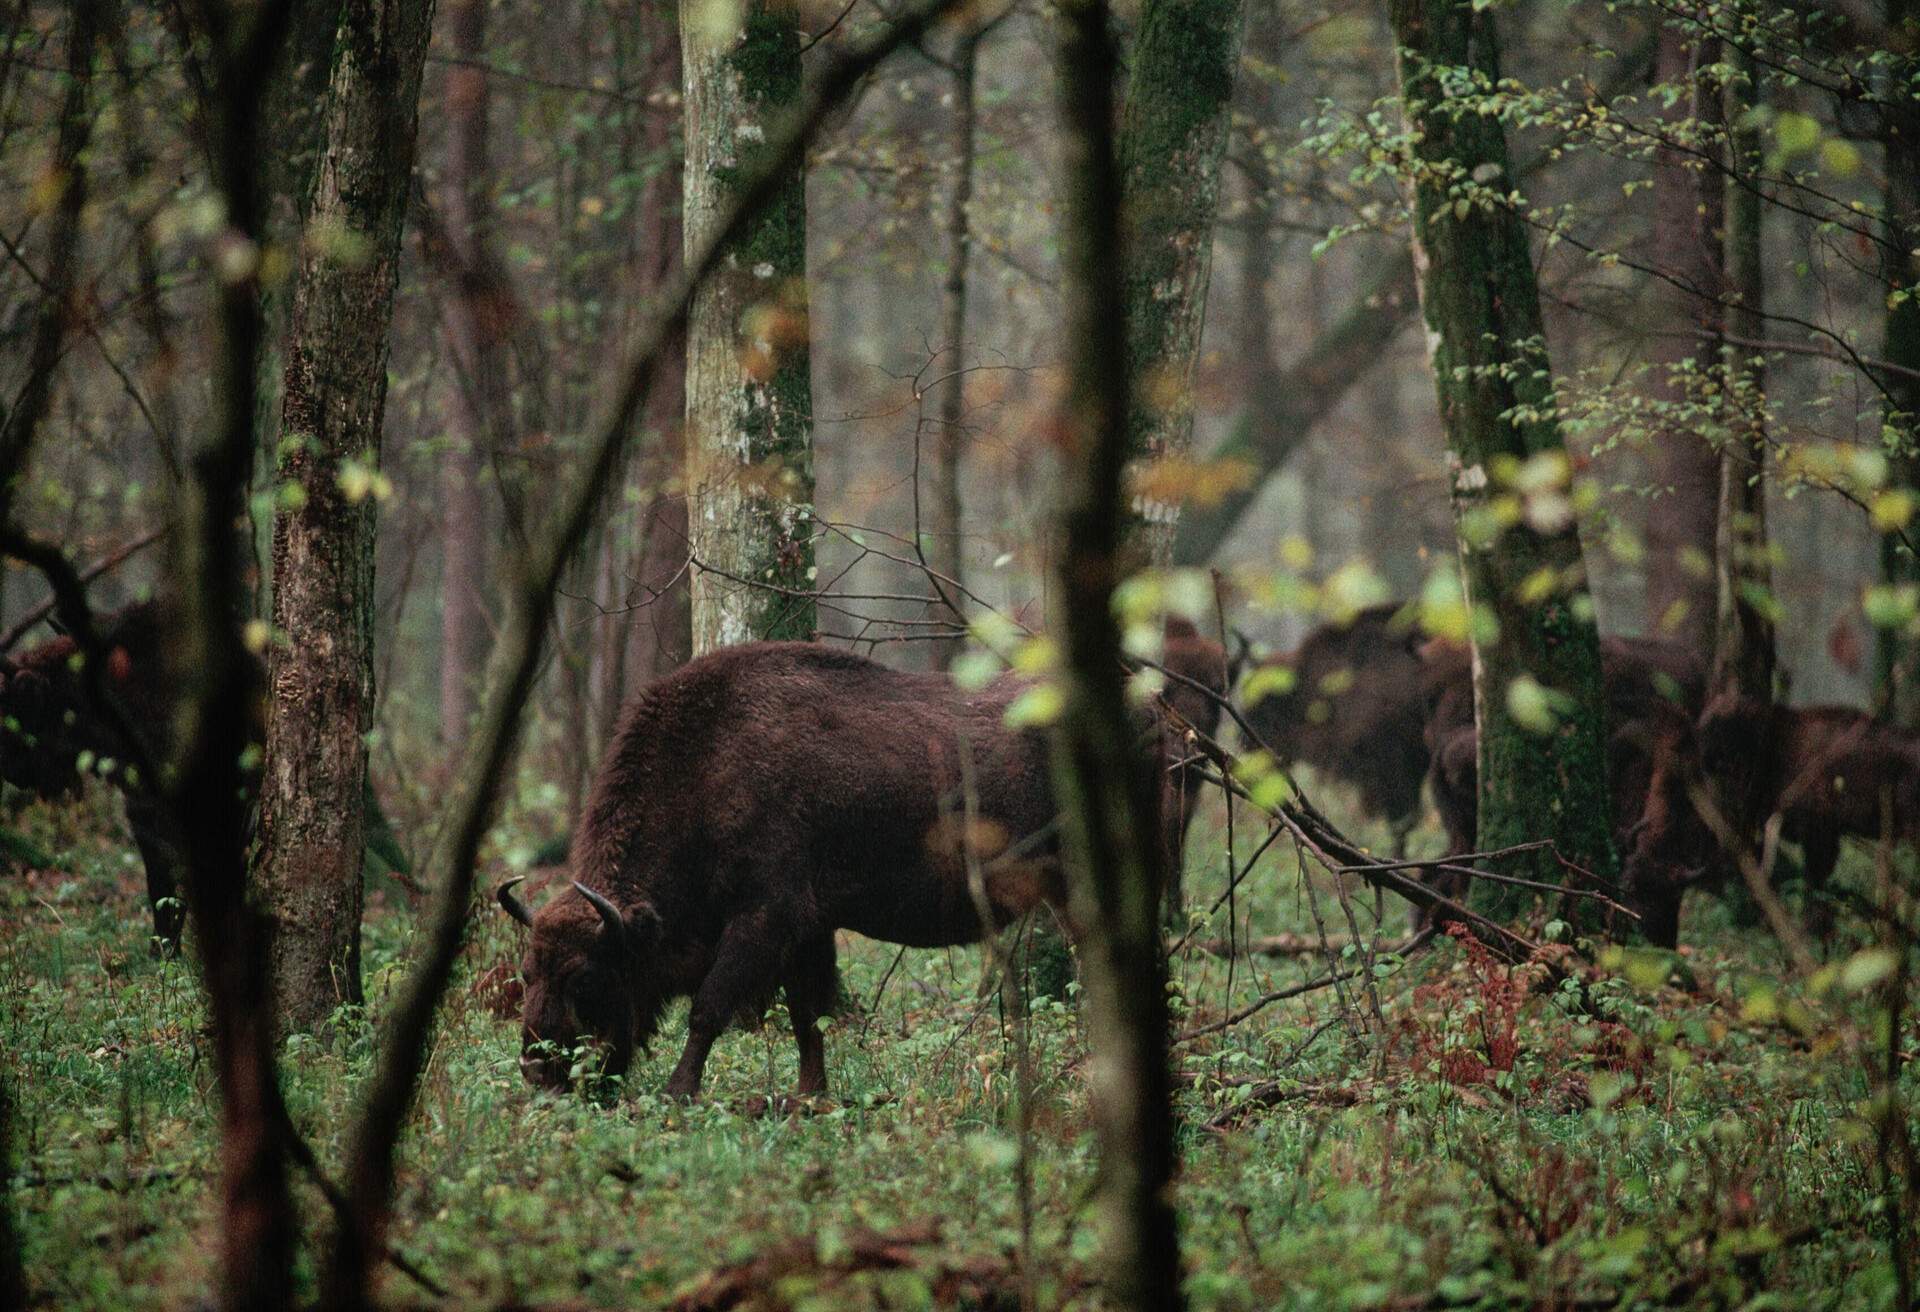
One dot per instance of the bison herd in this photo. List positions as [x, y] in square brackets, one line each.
[765, 796]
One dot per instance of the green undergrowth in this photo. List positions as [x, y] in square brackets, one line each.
[1433, 1134]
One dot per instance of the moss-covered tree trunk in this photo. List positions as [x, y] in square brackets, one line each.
[1173, 136]
[1685, 468]
[1537, 693]
[320, 667]
[749, 390]
[1898, 650]
[1107, 795]
[1744, 647]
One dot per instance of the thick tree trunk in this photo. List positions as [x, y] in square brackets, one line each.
[1173, 136]
[1107, 796]
[1744, 646]
[473, 331]
[1688, 217]
[293, 110]
[749, 389]
[1485, 339]
[1897, 658]
[944, 532]
[312, 805]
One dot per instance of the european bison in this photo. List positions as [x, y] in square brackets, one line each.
[1827, 771]
[1356, 713]
[755, 801]
[1653, 689]
[52, 726]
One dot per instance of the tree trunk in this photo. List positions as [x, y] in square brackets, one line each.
[1173, 136]
[293, 105]
[1107, 795]
[944, 534]
[472, 333]
[1485, 339]
[1688, 216]
[659, 636]
[1897, 654]
[1744, 647]
[312, 805]
[749, 390]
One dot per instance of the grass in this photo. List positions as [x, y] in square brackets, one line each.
[1471, 1144]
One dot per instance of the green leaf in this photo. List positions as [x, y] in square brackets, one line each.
[1866, 968]
[1037, 706]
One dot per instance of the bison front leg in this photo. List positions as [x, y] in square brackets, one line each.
[152, 834]
[1820, 853]
[751, 958]
[810, 985]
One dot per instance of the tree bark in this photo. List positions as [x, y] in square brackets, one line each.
[293, 107]
[1897, 650]
[1744, 648]
[1107, 794]
[1681, 600]
[1486, 343]
[472, 331]
[749, 386]
[944, 534]
[1173, 136]
[320, 670]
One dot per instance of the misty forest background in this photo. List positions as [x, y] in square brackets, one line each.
[458, 534]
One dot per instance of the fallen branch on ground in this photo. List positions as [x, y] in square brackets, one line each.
[972, 1282]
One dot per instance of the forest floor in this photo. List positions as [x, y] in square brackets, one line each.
[1440, 1138]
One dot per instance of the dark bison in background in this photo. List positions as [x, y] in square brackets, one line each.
[50, 725]
[766, 795]
[1377, 705]
[1356, 713]
[1828, 771]
[1653, 691]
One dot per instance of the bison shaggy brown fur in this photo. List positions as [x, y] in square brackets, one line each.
[1653, 689]
[1355, 713]
[52, 725]
[1828, 771]
[761, 798]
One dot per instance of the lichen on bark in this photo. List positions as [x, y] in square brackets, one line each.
[749, 388]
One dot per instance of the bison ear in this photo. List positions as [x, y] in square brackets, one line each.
[643, 927]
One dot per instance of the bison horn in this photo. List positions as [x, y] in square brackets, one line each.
[511, 904]
[608, 911]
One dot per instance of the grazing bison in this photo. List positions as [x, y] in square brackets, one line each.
[1653, 689]
[757, 800]
[1827, 771]
[1355, 712]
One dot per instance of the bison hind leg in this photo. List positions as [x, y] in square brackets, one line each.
[810, 984]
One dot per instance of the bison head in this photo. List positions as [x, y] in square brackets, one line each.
[587, 983]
